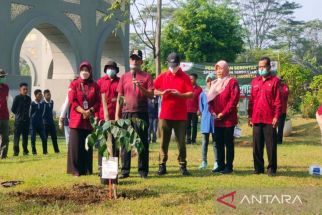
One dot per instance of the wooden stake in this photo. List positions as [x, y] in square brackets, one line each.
[110, 191]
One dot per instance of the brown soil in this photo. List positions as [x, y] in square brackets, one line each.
[78, 194]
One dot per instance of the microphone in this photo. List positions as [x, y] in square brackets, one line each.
[133, 78]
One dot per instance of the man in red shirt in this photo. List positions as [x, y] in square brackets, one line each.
[319, 119]
[281, 121]
[136, 87]
[193, 110]
[108, 86]
[264, 111]
[4, 115]
[175, 88]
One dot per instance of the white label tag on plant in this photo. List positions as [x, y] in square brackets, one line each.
[109, 168]
[237, 132]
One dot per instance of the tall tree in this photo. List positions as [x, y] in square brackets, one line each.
[261, 17]
[203, 31]
[145, 18]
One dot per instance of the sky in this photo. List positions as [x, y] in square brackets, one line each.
[311, 9]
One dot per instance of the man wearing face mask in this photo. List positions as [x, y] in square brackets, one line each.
[175, 87]
[136, 87]
[4, 115]
[264, 111]
[108, 86]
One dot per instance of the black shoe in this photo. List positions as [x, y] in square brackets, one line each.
[227, 171]
[193, 142]
[256, 172]
[162, 169]
[123, 176]
[184, 171]
[144, 175]
[15, 154]
[271, 173]
[57, 152]
[26, 153]
[34, 153]
[217, 170]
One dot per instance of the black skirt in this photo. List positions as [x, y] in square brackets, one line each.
[79, 160]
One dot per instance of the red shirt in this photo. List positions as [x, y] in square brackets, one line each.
[135, 101]
[284, 97]
[109, 87]
[265, 100]
[173, 107]
[193, 103]
[4, 92]
[226, 103]
[319, 111]
[76, 97]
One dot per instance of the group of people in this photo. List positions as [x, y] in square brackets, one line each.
[180, 101]
[34, 117]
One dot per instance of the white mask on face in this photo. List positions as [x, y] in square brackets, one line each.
[173, 69]
[84, 75]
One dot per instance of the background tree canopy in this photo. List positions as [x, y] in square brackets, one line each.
[203, 32]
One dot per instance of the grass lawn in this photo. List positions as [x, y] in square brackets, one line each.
[47, 189]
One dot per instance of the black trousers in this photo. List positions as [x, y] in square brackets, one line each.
[21, 128]
[280, 128]
[4, 133]
[38, 128]
[143, 165]
[264, 133]
[79, 160]
[50, 129]
[192, 123]
[225, 140]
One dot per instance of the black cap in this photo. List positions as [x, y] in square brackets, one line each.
[2, 73]
[136, 52]
[173, 60]
[111, 64]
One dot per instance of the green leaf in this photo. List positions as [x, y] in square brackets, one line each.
[90, 141]
[106, 126]
[102, 149]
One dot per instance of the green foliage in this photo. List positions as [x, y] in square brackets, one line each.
[316, 87]
[122, 130]
[203, 32]
[309, 105]
[297, 78]
[254, 55]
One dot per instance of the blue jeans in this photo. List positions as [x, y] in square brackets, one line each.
[153, 128]
[204, 145]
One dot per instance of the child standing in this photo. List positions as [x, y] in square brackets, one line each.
[207, 124]
[49, 120]
[37, 126]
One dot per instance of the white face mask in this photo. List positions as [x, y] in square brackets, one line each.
[174, 69]
[84, 75]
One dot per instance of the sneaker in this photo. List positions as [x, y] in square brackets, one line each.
[203, 165]
[144, 175]
[217, 170]
[257, 172]
[215, 165]
[227, 171]
[162, 169]
[271, 173]
[184, 171]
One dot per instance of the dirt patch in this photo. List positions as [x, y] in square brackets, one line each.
[78, 194]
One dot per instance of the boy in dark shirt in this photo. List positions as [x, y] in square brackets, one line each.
[20, 107]
[48, 119]
[37, 126]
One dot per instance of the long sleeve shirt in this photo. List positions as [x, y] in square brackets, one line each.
[20, 107]
[207, 119]
[265, 100]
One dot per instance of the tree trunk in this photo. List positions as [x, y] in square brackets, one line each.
[158, 40]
